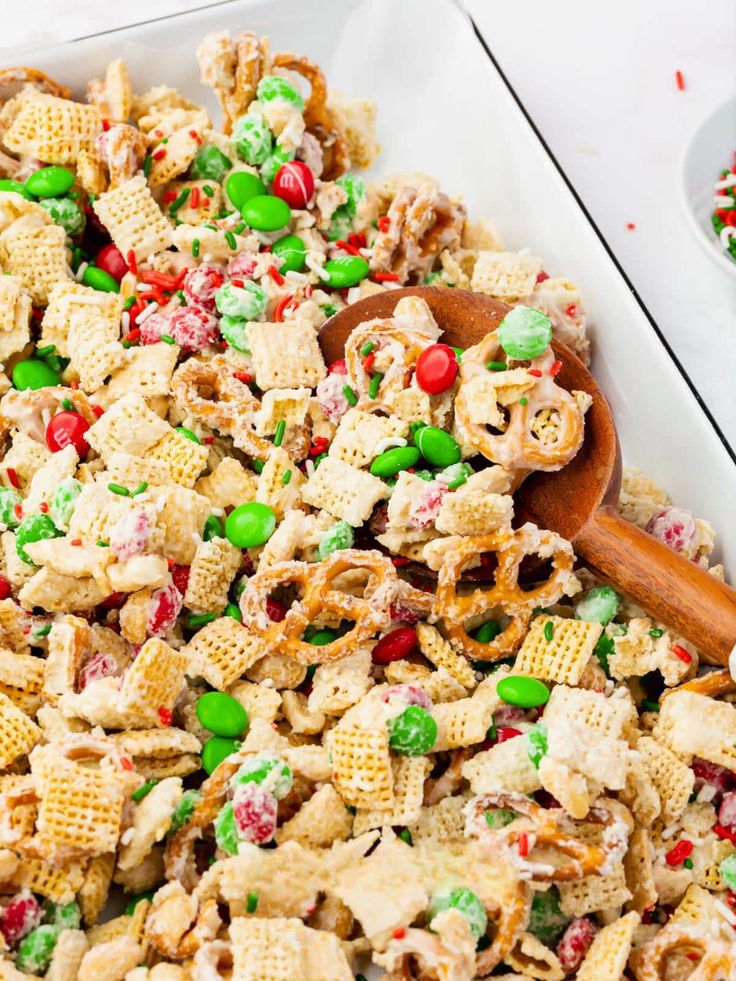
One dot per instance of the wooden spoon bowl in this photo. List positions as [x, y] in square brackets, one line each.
[579, 502]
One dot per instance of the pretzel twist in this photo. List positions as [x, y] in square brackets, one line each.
[714, 684]
[584, 858]
[209, 391]
[718, 960]
[34, 76]
[455, 609]
[233, 67]
[25, 409]
[402, 347]
[370, 613]
[519, 447]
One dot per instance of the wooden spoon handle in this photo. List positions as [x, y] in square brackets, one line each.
[668, 586]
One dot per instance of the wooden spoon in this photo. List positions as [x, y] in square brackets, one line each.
[579, 501]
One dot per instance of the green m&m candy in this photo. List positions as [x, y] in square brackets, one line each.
[242, 186]
[253, 139]
[222, 714]
[266, 212]
[212, 528]
[247, 302]
[226, 830]
[437, 447]
[50, 182]
[341, 224]
[215, 750]
[35, 528]
[184, 809]
[498, 818]
[599, 605]
[269, 771]
[345, 271]
[339, 536]
[546, 920]
[66, 213]
[35, 950]
[464, 901]
[68, 917]
[536, 743]
[235, 332]
[354, 187]
[63, 502]
[525, 333]
[9, 498]
[413, 732]
[34, 374]
[323, 637]
[271, 165]
[391, 462]
[521, 691]
[727, 869]
[250, 525]
[98, 279]
[293, 251]
[16, 188]
[273, 87]
[210, 164]
[486, 632]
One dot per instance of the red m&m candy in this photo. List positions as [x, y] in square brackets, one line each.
[110, 258]
[436, 368]
[67, 428]
[294, 183]
[394, 645]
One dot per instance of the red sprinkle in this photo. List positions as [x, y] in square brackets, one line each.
[680, 80]
[168, 197]
[399, 933]
[570, 311]
[74, 385]
[126, 763]
[43, 507]
[98, 410]
[133, 335]
[368, 361]
[386, 277]
[400, 560]
[195, 135]
[243, 377]
[4, 587]
[507, 732]
[680, 652]
[276, 276]
[523, 844]
[284, 302]
[679, 853]
[555, 369]
[208, 439]
[630, 225]
[18, 511]
[384, 223]
[159, 154]
[693, 956]
[731, 899]
[238, 282]
[724, 832]
[165, 716]
[131, 260]
[542, 276]
[536, 372]
[194, 198]
[357, 239]
[12, 476]
[76, 541]
[308, 291]
[347, 247]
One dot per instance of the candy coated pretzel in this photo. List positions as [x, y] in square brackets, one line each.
[718, 960]
[233, 67]
[25, 408]
[518, 448]
[456, 609]
[228, 406]
[385, 335]
[584, 858]
[370, 613]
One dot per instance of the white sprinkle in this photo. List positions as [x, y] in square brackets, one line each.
[353, 294]
[207, 257]
[725, 235]
[723, 201]
[127, 836]
[160, 502]
[728, 915]
[218, 512]
[706, 793]
[388, 443]
[144, 287]
[145, 314]
[143, 496]
[314, 265]
[80, 271]
[669, 831]
[309, 467]
[125, 322]
[727, 181]
[196, 538]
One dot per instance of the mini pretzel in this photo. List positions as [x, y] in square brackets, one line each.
[518, 447]
[233, 67]
[422, 223]
[26, 409]
[455, 608]
[585, 859]
[317, 117]
[209, 391]
[370, 613]
[35, 77]
[718, 961]
[404, 349]
[509, 914]
[714, 684]
[122, 150]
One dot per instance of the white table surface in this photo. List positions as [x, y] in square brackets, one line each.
[598, 81]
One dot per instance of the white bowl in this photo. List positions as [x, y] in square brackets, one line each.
[708, 151]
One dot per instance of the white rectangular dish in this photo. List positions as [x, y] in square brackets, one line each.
[445, 108]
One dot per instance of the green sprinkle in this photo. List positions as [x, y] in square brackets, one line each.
[688, 863]
[178, 202]
[549, 630]
[167, 339]
[92, 197]
[43, 352]
[458, 482]
[496, 366]
[140, 488]
[349, 394]
[367, 348]
[208, 190]
[523, 401]
[286, 477]
[319, 459]
[650, 706]
[239, 228]
[655, 632]
[118, 489]
[180, 294]
[147, 165]
[230, 239]
[252, 902]
[200, 619]
[43, 631]
[258, 466]
[129, 303]
[66, 404]
[375, 385]
[165, 139]
[103, 544]
[195, 248]
[144, 790]
[126, 344]
[280, 430]
[405, 835]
